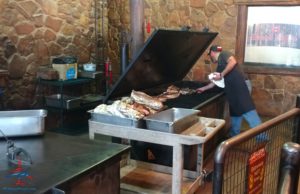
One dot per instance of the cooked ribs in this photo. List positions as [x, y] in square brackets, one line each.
[145, 99]
[140, 104]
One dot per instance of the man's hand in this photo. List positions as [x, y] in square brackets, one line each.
[200, 90]
[217, 76]
[204, 88]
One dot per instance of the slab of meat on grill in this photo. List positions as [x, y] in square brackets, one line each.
[171, 92]
[184, 91]
[187, 91]
[130, 111]
[165, 96]
[145, 99]
[174, 92]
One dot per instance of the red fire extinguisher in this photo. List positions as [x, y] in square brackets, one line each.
[107, 62]
[148, 26]
[108, 72]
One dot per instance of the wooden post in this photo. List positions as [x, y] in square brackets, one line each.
[297, 123]
[177, 169]
[136, 25]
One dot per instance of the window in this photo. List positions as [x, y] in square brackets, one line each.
[269, 36]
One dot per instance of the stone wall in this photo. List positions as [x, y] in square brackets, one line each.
[272, 94]
[218, 16]
[35, 31]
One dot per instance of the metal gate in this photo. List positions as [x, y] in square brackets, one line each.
[233, 158]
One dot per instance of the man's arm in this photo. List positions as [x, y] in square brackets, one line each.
[231, 62]
[204, 88]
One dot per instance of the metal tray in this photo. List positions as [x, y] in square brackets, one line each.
[67, 102]
[23, 122]
[115, 120]
[173, 120]
[90, 74]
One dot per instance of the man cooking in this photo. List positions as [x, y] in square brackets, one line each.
[238, 96]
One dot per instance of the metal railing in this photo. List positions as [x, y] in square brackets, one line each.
[289, 168]
[247, 163]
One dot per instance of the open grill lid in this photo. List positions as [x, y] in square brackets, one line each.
[166, 57]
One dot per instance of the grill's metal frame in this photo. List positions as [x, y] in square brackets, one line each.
[232, 155]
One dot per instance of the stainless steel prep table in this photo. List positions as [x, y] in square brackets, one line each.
[177, 141]
[62, 161]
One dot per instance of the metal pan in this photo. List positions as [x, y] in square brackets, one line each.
[173, 120]
[23, 122]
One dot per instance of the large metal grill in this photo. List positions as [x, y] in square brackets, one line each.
[164, 60]
[194, 101]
